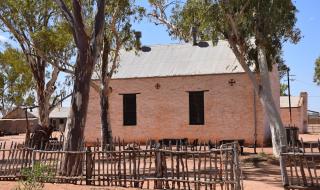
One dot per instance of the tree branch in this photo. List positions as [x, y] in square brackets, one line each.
[159, 15]
[61, 100]
[98, 28]
[240, 53]
[20, 38]
[66, 13]
[54, 64]
[50, 84]
[78, 21]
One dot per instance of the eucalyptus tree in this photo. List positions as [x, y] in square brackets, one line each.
[86, 20]
[45, 42]
[317, 71]
[16, 83]
[255, 31]
[119, 37]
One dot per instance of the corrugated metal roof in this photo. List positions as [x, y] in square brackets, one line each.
[58, 112]
[177, 60]
[296, 101]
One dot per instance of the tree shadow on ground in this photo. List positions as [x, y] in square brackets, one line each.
[262, 168]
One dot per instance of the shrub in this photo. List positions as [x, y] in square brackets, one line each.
[34, 178]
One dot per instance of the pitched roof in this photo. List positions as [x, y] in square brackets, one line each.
[296, 101]
[18, 113]
[58, 112]
[178, 60]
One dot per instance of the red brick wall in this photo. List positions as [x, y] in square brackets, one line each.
[164, 112]
[296, 117]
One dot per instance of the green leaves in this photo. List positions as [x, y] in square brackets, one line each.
[317, 71]
[16, 82]
[283, 89]
[35, 177]
[248, 23]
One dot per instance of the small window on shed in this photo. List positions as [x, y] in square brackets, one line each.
[196, 108]
[129, 109]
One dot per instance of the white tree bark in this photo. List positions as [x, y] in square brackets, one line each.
[277, 130]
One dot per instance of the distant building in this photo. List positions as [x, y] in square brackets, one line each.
[313, 121]
[299, 111]
[58, 117]
[15, 121]
[181, 91]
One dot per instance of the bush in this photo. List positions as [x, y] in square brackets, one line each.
[34, 178]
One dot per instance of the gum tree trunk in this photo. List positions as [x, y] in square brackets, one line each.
[277, 129]
[44, 92]
[74, 130]
[106, 132]
[89, 47]
[263, 88]
[38, 70]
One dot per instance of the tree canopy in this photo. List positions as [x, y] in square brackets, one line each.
[317, 71]
[16, 83]
[248, 21]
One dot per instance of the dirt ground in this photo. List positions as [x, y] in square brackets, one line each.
[260, 171]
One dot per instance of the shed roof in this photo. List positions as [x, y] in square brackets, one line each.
[18, 113]
[296, 101]
[58, 112]
[178, 60]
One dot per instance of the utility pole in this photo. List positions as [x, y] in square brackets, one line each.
[289, 94]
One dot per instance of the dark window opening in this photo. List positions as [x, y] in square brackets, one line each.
[129, 109]
[196, 108]
[61, 121]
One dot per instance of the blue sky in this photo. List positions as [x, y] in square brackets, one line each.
[300, 58]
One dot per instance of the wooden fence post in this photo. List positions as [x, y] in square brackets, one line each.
[283, 169]
[33, 158]
[236, 167]
[159, 172]
[88, 166]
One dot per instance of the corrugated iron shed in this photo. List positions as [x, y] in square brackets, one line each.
[296, 101]
[58, 112]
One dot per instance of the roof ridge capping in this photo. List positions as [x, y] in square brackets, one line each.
[203, 42]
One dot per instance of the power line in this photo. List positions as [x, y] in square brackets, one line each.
[308, 83]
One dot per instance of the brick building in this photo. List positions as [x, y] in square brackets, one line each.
[182, 91]
[299, 111]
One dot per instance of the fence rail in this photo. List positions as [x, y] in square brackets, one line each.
[149, 166]
[302, 166]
